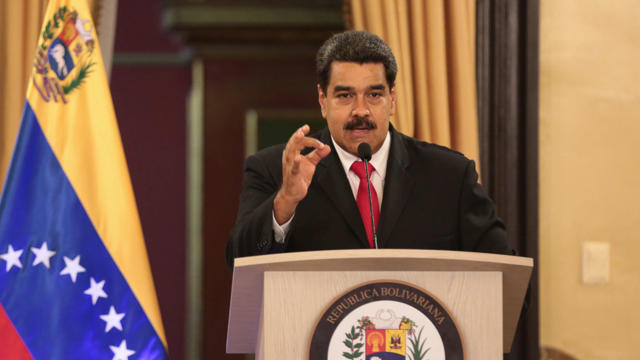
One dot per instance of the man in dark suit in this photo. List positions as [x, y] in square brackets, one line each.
[308, 194]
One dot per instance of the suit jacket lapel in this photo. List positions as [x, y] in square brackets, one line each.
[332, 179]
[398, 186]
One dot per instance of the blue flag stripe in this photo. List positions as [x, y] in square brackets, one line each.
[54, 316]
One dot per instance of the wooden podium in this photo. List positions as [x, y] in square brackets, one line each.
[276, 300]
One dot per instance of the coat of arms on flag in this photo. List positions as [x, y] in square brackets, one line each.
[64, 56]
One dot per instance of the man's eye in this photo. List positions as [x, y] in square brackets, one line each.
[375, 95]
[344, 95]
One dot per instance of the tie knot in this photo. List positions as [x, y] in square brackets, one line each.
[358, 168]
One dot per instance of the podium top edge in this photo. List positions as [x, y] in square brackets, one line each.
[339, 256]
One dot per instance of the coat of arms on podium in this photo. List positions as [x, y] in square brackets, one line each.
[386, 320]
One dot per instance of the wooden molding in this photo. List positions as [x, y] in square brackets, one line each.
[203, 24]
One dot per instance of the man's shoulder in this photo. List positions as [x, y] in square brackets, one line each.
[426, 161]
[429, 151]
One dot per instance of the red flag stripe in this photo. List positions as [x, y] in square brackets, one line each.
[11, 345]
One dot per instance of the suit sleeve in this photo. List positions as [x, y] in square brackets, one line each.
[480, 228]
[253, 232]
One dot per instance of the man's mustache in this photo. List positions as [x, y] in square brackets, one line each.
[359, 122]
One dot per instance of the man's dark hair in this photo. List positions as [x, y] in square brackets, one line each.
[355, 46]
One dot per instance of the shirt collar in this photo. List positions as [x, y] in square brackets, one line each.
[378, 160]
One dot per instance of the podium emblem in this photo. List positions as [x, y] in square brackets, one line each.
[386, 320]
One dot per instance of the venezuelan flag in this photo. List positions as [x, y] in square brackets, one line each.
[75, 281]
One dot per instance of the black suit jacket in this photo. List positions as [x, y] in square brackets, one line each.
[432, 200]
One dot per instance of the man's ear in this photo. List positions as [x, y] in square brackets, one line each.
[322, 99]
[393, 101]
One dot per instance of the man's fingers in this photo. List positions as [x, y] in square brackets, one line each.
[296, 164]
[299, 141]
[307, 142]
[295, 138]
[318, 154]
[300, 133]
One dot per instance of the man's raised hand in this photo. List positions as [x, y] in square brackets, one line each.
[297, 172]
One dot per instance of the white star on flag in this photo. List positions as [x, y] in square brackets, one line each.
[121, 352]
[12, 257]
[43, 255]
[112, 319]
[95, 290]
[72, 268]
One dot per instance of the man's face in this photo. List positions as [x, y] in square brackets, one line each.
[357, 105]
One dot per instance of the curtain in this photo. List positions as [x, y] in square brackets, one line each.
[20, 23]
[434, 45]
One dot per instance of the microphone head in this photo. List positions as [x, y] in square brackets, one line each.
[364, 151]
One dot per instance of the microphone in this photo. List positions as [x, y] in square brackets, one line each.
[364, 152]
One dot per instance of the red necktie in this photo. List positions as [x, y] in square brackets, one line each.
[362, 199]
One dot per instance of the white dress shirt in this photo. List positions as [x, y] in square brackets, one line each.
[379, 162]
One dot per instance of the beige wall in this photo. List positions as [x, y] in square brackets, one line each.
[590, 174]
